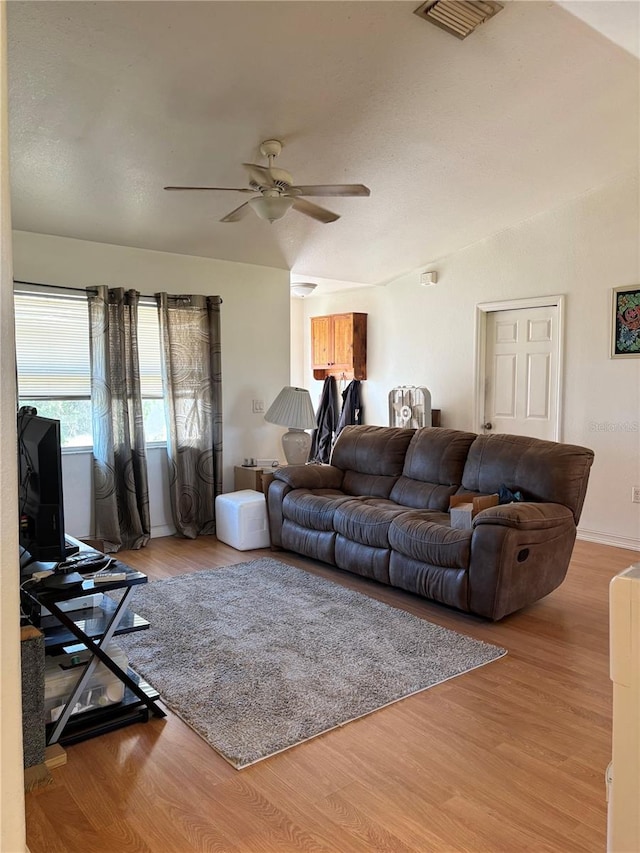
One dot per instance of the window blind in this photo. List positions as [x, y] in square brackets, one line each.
[52, 347]
[149, 350]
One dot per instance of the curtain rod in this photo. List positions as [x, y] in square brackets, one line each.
[55, 286]
[78, 289]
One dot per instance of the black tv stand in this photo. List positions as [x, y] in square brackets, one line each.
[93, 627]
[62, 580]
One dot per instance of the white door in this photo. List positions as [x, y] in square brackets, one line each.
[521, 372]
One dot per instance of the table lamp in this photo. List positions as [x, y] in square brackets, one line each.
[292, 408]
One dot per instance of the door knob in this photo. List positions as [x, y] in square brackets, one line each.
[488, 425]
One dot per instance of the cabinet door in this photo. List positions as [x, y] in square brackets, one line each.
[343, 341]
[321, 342]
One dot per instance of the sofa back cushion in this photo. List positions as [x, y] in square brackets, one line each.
[372, 458]
[541, 470]
[433, 468]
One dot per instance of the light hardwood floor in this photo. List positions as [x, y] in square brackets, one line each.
[509, 757]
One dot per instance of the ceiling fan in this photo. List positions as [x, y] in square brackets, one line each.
[278, 193]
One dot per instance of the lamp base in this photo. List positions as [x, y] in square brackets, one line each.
[296, 444]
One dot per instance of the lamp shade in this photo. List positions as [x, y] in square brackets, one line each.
[271, 207]
[292, 408]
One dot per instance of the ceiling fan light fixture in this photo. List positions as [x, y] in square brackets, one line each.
[271, 207]
[278, 193]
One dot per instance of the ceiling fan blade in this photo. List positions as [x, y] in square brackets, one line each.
[314, 211]
[237, 214]
[217, 189]
[331, 190]
[260, 175]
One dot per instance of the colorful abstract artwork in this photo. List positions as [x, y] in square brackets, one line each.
[625, 330]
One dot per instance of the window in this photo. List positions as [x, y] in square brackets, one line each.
[52, 351]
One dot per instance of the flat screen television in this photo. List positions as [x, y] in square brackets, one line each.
[41, 510]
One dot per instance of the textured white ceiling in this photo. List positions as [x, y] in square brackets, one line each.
[110, 101]
[615, 19]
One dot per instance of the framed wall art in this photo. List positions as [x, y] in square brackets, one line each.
[625, 322]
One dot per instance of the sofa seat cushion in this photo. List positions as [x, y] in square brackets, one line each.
[383, 503]
[415, 494]
[428, 537]
[364, 522]
[313, 509]
[387, 503]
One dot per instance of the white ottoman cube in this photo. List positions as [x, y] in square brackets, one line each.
[241, 520]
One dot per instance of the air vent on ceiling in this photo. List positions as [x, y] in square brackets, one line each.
[458, 17]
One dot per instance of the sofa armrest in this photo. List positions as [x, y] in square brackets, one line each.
[310, 476]
[525, 516]
[520, 552]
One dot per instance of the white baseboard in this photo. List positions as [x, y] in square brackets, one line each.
[608, 539]
[162, 530]
[156, 532]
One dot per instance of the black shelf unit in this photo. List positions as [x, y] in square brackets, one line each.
[92, 620]
[101, 720]
[92, 628]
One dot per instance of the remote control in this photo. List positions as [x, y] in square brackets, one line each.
[85, 562]
[109, 577]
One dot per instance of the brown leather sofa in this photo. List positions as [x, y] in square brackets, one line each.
[380, 509]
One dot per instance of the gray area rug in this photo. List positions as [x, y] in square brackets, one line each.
[261, 656]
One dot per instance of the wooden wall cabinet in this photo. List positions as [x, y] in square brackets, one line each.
[339, 346]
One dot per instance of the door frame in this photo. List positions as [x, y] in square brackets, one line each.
[485, 308]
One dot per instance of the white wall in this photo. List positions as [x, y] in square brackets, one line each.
[425, 336]
[78, 504]
[255, 343]
[297, 343]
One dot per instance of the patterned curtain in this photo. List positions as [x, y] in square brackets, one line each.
[121, 492]
[192, 379]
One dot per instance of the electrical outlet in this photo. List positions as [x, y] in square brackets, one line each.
[635, 494]
[258, 407]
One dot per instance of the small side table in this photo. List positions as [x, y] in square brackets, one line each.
[248, 478]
